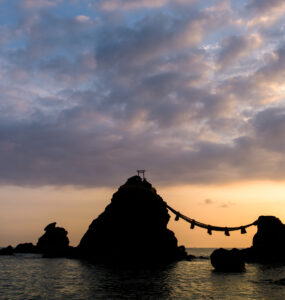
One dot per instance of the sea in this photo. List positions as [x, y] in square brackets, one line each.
[28, 276]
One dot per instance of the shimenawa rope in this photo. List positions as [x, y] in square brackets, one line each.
[210, 228]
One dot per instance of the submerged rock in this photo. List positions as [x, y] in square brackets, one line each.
[190, 257]
[132, 229]
[54, 242]
[268, 243]
[227, 260]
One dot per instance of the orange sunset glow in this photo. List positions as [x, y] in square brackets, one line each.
[222, 205]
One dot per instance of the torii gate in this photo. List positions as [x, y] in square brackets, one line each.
[141, 172]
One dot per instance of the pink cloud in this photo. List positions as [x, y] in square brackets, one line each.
[37, 4]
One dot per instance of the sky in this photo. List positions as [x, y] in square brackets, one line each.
[192, 91]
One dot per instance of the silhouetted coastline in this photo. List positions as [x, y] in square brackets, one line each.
[133, 230]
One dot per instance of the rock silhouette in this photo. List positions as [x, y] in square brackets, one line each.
[132, 229]
[227, 260]
[54, 242]
[268, 246]
[279, 281]
[26, 248]
[7, 251]
[268, 243]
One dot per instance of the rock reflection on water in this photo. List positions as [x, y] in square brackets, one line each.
[31, 277]
[127, 283]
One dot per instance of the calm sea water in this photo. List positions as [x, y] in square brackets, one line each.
[32, 277]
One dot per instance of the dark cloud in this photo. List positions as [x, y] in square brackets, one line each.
[261, 6]
[227, 204]
[234, 47]
[39, 4]
[208, 201]
[274, 70]
[64, 153]
[270, 129]
[264, 14]
[129, 5]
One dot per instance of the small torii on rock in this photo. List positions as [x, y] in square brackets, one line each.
[141, 172]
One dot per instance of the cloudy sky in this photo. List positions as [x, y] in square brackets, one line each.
[192, 91]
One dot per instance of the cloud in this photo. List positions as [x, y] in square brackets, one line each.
[234, 47]
[129, 5]
[85, 99]
[264, 5]
[227, 204]
[264, 13]
[269, 126]
[45, 152]
[38, 4]
[82, 18]
[208, 201]
[151, 38]
[263, 84]
[84, 147]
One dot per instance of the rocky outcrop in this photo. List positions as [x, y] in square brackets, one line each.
[7, 251]
[26, 248]
[227, 260]
[268, 243]
[132, 229]
[54, 242]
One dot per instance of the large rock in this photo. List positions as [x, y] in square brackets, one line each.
[132, 229]
[268, 243]
[227, 260]
[54, 242]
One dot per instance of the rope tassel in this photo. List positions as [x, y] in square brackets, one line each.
[192, 225]
[177, 217]
[227, 233]
[242, 230]
[209, 230]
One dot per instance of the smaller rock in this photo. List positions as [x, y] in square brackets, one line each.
[26, 248]
[7, 251]
[227, 260]
[268, 245]
[54, 242]
[280, 281]
[181, 253]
